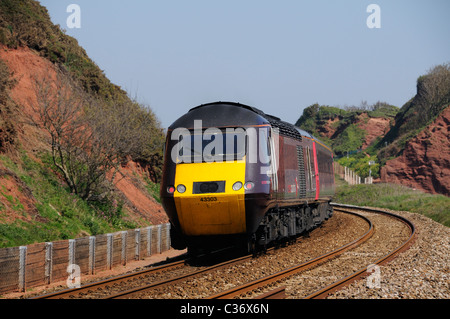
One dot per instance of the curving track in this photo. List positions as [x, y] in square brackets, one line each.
[179, 280]
[393, 235]
[323, 293]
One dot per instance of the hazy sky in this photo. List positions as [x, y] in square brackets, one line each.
[279, 56]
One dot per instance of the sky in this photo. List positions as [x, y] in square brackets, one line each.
[279, 56]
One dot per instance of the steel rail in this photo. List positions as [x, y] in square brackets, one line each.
[239, 290]
[67, 293]
[324, 292]
[136, 291]
[277, 293]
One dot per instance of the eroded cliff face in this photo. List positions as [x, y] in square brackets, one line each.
[373, 126]
[425, 162]
[25, 65]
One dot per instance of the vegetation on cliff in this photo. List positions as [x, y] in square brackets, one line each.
[432, 97]
[87, 128]
[345, 131]
[342, 123]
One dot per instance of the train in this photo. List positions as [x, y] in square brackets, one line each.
[234, 176]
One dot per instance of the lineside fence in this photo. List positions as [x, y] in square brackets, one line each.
[350, 176]
[43, 263]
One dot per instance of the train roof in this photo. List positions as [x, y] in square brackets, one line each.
[217, 114]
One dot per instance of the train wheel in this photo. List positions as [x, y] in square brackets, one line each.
[251, 245]
[309, 219]
[176, 240]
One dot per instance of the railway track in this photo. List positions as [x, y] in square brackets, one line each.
[280, 292]
[323, 293]
[112, 283]
[274, 278]
[141, 292]
[175, 275]
[131, 293]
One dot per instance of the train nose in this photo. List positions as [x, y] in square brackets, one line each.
[212, 213]
[208, 187]
[210, 205]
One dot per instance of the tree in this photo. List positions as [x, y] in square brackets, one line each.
[436, 89]
[90, 137]
[433, 91]
[79, 149]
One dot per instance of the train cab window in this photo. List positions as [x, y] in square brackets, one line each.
[213, 145]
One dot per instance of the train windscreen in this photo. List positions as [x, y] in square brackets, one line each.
[213, 145]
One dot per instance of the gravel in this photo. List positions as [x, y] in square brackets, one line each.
[422, 272]
[389, 234]
[339, 230]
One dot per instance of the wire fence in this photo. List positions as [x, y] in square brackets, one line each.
[43, 263]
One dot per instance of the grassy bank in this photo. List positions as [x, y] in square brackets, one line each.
[395, 197]
[60, 214]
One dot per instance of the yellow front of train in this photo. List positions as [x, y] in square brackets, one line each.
[205, 199]
[209, 183]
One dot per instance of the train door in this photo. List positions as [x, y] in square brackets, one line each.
[274, 144]
[310, 173]
[316, 171]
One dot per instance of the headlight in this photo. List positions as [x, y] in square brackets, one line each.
[170, 189]
[181, 188]
[249, 185]
[237, 186]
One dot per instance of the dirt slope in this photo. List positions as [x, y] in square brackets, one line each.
[25, 65]
[425, 162]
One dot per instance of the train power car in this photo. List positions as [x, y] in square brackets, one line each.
[234, 175]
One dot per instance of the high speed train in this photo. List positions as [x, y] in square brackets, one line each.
[236, 176]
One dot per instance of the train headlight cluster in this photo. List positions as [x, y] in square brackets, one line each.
[237, 186]
[181, 188]
[171, 189]
[249, 186]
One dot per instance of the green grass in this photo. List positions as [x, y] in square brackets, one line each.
[152, 189]
[396, 197]
[63, 215]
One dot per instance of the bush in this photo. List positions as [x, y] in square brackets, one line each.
[360, 165]
[352, 138]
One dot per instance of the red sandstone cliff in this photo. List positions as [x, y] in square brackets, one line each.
[425, 162]
[25, 64]
[373, 126]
